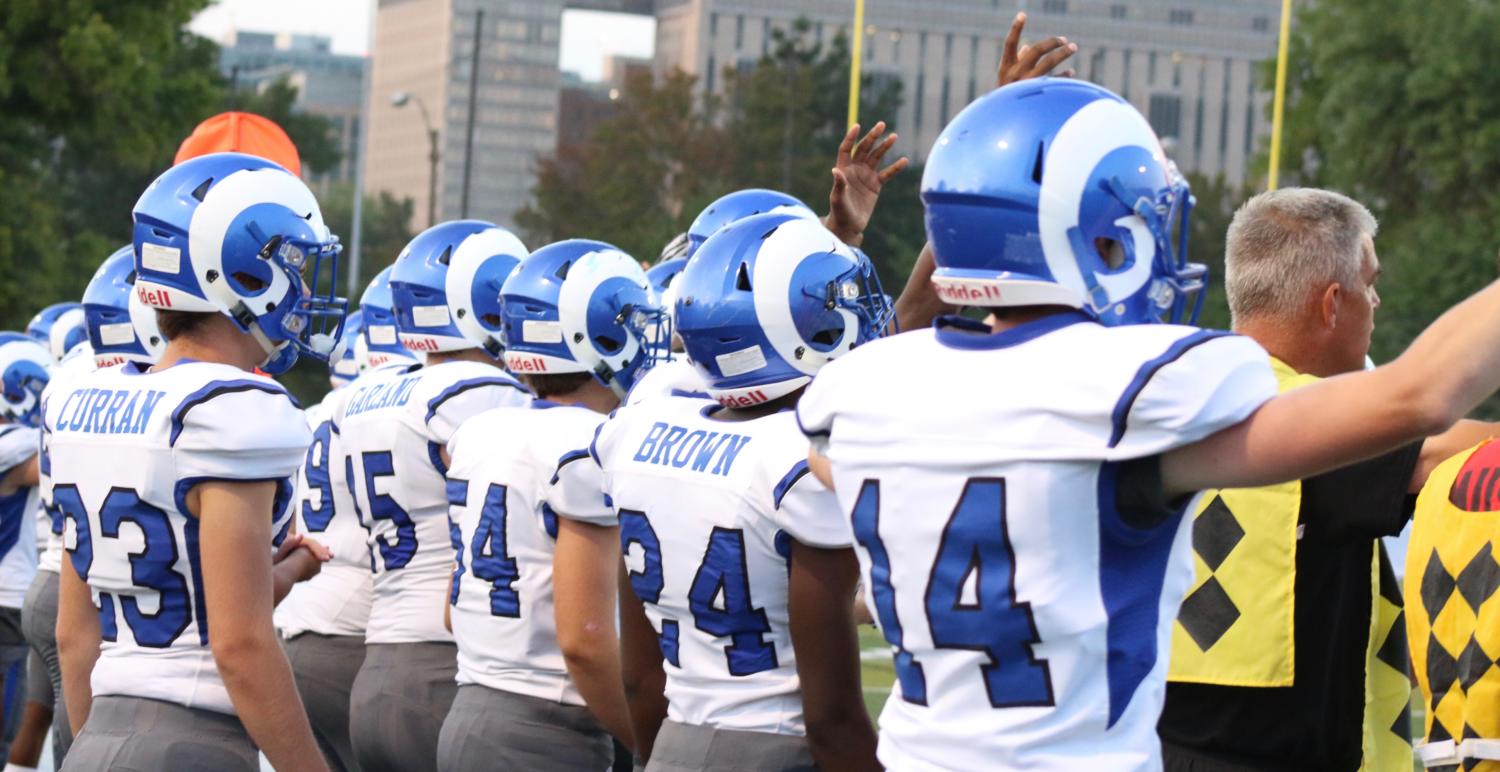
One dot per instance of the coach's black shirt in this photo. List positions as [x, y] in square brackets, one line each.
[1317, 723]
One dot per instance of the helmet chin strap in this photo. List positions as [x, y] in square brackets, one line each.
[606, 375]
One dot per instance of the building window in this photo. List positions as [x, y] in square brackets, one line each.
[1054, 6]
[1165, 115]
[739, 32]
[1118, 11]
[1180, 16]
[1260, 24]
[945, 98]
[713, 25]
[1151, 68]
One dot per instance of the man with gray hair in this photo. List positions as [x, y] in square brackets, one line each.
[1289, 652]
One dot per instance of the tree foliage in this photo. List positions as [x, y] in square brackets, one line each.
[643, 175]
[1394, 104]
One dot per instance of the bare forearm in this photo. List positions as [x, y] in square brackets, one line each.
[260, 685]
[77, 662]
[78, 641]
[596, 672]
[919, 304]
[823, 629]
[641, 661]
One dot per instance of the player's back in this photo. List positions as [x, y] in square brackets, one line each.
[505, 531]
[697, 502]
[126, 446]
[1028, 614]
[392, 429]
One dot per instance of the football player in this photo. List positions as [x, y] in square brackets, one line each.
[59, 327]
[575, 315]
[393, 429]
[719, 520]
[322, 620]
[25, 368]
[120, 330]
[1024, 549]
[174, 480]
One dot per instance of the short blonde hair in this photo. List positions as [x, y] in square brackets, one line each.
[1284, 243]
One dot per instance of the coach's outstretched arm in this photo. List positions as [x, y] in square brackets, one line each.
[1445, 373]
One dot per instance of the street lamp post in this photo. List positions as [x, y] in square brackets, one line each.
[400, 99]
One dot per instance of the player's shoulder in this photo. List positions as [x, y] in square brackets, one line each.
[673, 378]
[223, 406]
[442, 383]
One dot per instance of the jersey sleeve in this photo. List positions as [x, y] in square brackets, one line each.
[17, 444]
[577, 488]
[464, 399]
[815, 409]
[1203, 382]
[239, 430]
[809, 512]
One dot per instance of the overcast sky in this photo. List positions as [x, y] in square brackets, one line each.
[587, 37]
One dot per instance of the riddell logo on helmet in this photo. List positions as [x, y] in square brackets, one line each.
[521, 364]
[966, 292]
[420, 344]
[756, 397]
[154, 298]
[103, 362]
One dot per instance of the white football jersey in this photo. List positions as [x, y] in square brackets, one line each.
[337, 600]
[505, 529]
[73, 366]
[125, 448]
[705, 507]
[18, 555]
[1029, 622]
[392, 427]
[675, 378]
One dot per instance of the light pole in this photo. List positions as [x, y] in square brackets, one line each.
[399, 100]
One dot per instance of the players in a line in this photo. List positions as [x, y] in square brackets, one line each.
[393, 427]
[323, 620]
[174, 480]
[576, 321]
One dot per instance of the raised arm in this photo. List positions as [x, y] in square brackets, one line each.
[1445, 373]
[238, 584]
[858, 180]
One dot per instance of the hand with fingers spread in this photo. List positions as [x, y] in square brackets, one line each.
[858, 180]
[1018, 62]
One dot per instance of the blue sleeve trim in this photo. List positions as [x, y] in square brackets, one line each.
[463, 386]
[549, 520]
[458, 492]
[594, 443]
[283, 497]
[568, 458]
[435, 455]
[798, 471]
[215, 389]
[12, 512]
[690, 394]
[1143, 376]
[797, 413]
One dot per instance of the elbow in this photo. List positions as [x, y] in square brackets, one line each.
[239, 654]
[1433, 412]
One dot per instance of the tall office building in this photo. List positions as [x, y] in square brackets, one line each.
[1189, 65]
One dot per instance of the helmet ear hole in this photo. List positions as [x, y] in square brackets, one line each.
[252, 284]
[827, 337]
[1111, 251]
[610, 345]
[742, 279]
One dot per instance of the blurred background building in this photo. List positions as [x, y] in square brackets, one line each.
[1189, 65]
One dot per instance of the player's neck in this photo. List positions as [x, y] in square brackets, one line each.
[463, 355]
[216, 340]
[785, 402]
[1002, 319]
[592, 395]
[1290, 344]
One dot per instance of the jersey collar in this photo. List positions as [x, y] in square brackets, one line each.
[967, 334]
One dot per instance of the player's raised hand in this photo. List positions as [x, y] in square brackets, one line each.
[858, 180]
[1034, 60]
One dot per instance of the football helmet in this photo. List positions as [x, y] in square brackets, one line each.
[59, 327]
[120, 328]
[581, 306]
[1056, 191]
[769, 300]
[446, 286]
[232, 233]
[738, 205]
[25, 367]
[343, 367]
[378, 343]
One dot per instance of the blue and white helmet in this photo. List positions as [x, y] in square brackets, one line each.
[446, 286]
[120, 328]
[769, 300]
[739, 205]
[59, 327]
[232, 233]
[25, 368]
[580, 306]
[1056, 192]
[379, 344]
[344, 368]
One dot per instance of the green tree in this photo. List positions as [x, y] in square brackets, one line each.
[1216, 202]
[643, 175]
[95, 95]
[1374, 112]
